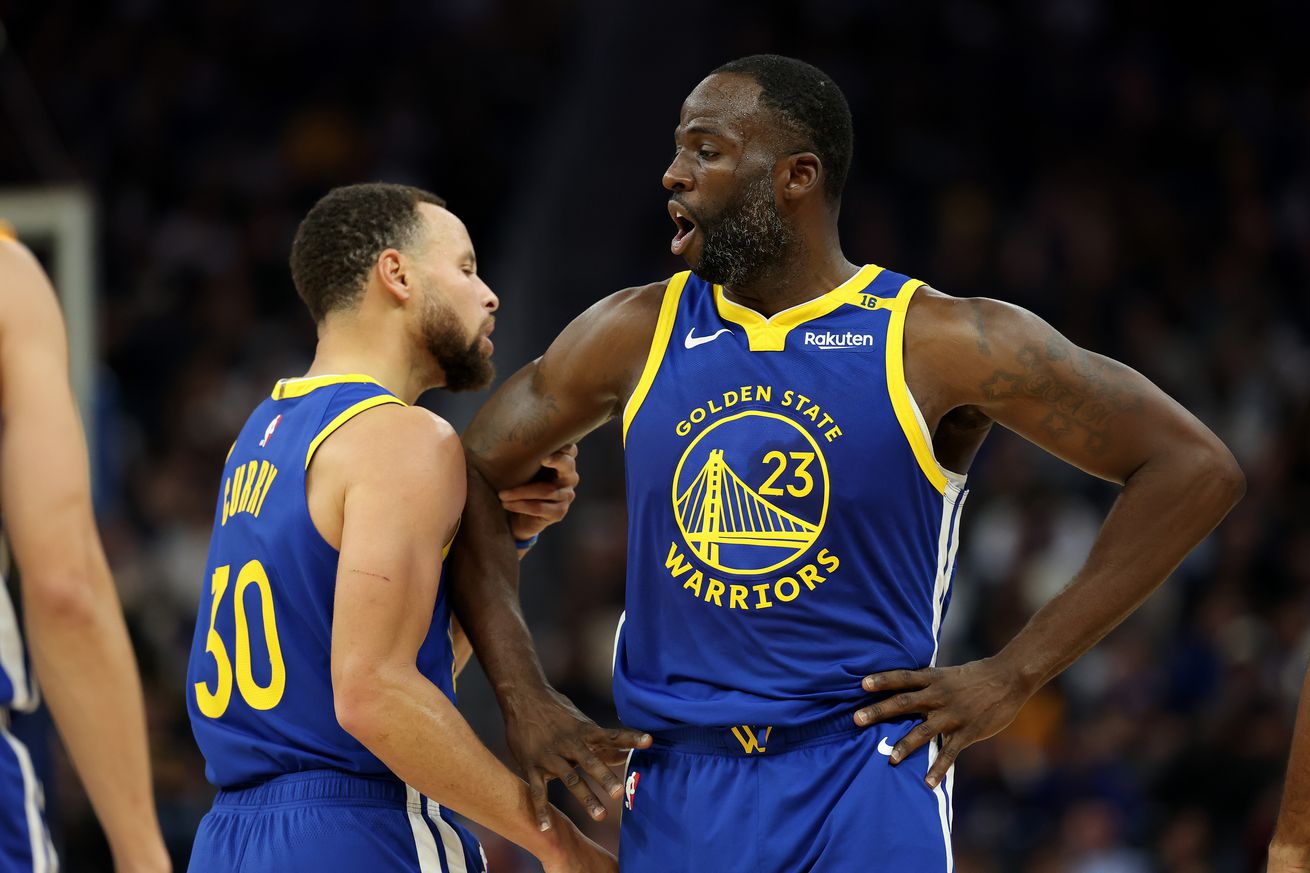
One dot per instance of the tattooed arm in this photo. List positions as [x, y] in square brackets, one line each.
[981, 361]
[582, 381]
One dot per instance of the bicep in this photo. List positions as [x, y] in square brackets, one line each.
[574, 388]
[395, 516]
[1091, 411]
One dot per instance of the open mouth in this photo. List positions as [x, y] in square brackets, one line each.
[686, 227]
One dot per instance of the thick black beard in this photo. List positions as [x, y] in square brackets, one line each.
[465, 365]
[747, 239]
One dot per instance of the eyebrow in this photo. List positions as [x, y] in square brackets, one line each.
[701, 129]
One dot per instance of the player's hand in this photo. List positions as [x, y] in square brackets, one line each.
[551, 739]
[575, 853]
[964, 704]
[536, 505]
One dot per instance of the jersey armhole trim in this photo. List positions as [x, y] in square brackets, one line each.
[658, 346]
[345, 416]
[907, 411]
[445, 550]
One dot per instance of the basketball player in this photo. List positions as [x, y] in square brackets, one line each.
[1289, 852]
[322, 674]
[76, 637]
[797, 428]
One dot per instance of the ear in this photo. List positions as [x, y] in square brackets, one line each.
[801, 175]
[392, 274]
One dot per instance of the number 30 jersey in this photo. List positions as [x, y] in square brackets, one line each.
[790, 530]
[259, 682]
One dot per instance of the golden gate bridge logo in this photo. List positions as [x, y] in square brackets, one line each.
[729, 524]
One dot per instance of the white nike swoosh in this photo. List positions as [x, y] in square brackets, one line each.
[692, 341]
[884, 747]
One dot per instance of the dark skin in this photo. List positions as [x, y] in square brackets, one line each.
[970, 363]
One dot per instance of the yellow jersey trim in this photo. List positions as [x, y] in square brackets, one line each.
[900, 390]
[659, 344]
[770, 334]
[287, 388]
[445, 550]
[346, 416]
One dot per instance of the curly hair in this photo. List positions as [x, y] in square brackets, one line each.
[340, 239]
[810, 105]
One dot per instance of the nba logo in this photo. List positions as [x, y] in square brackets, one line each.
[272, 426]
[630, 789]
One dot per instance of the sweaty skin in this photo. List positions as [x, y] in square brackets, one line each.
[970, 363]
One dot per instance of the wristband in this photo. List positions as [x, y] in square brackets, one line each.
[528, 543]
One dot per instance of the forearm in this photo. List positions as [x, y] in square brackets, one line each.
[84, 662]
[416, 731]
[1291, 843]
[485, 594]
[1164, 510]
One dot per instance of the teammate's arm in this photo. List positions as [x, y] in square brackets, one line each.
[533, 507]
[580, 383]
[1289, 852]
[1005, 364]
[76, 633]
[402, 488]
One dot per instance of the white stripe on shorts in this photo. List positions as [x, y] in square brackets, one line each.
[429, 859]
[943, 802]
[449, 839]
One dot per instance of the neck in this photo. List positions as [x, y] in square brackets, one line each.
[811, 270]
[343, 349]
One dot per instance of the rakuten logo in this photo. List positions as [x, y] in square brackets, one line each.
[828, 341]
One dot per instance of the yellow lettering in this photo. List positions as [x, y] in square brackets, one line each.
[833, 434]
[786, 397]
[272, 474]
[828, 560]
[227, 493]
[812, 413]
[791, 584]
[683, 428]
[238, 478]
[810, 576]
[745, 393]
[258, 490]
[714, 591]
[250, 483]
[827, 420]
[737, 596]
[713, 408]
[801, 402]
[729, 399]
[764, 393]
[764, 602]
[693, 417]
[675, 563]
[693, 582]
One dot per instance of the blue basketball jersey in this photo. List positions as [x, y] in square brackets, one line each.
[790, 529]
[259, 684]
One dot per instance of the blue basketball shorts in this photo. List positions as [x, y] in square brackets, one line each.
[323, 821]
[819, 798]
[25, 845]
